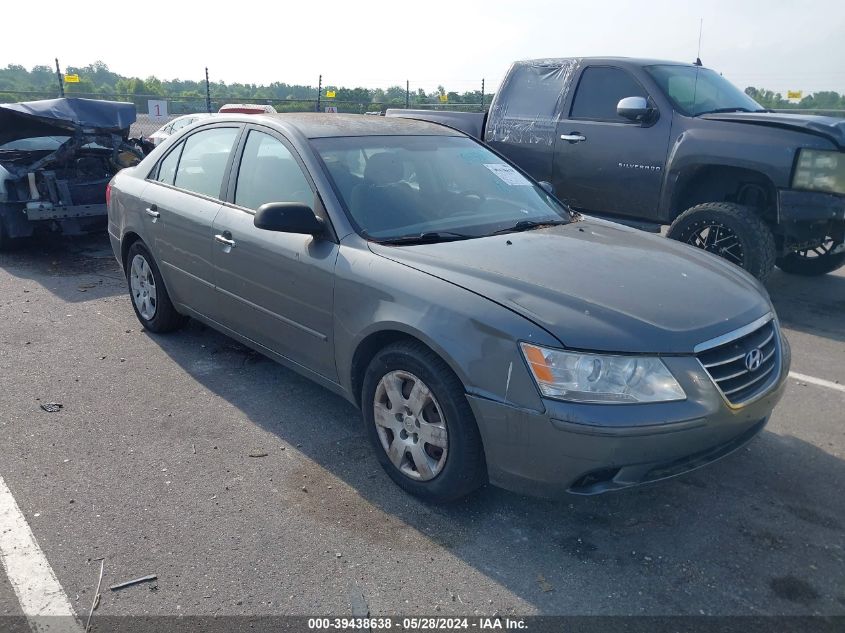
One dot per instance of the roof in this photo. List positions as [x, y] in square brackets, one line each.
[635, 61]
[318, 125]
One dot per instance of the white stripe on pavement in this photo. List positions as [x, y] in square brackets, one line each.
[821, 382]
[42, 599]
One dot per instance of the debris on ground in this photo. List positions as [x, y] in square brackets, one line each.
[545, 587]
[96, 602]
[135, 581]
[258, 453]
[52, 407]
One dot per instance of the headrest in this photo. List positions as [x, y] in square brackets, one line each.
[383, 169]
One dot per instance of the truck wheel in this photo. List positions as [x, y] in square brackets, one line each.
[731, 231]
[813, 261]
[421, 425]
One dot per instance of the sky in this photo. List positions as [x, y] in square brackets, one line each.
[776, 44]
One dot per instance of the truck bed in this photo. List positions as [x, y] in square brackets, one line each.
[471, 123]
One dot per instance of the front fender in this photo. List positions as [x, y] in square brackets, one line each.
[477, 338]
[702, 143]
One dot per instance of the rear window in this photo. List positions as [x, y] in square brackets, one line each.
[203, 161]
[533, 91]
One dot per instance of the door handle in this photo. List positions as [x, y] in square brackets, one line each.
[152, 211]
[225, 240]
[573, 138]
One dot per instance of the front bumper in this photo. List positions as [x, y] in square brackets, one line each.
[593, 448]
[798, 211]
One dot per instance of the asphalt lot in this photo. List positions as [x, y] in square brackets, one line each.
[155, 464]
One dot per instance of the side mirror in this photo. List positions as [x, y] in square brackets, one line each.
[288, 217]
[634, 109]
[546, 186]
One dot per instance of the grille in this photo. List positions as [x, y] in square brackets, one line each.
[725, 362]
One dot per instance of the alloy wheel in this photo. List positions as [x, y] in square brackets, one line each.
[716, 238]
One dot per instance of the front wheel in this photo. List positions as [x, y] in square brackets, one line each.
[150, 300]
[731, 231]
[811, 262]
[421, 425]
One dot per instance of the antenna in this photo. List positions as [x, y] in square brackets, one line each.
[700, 29]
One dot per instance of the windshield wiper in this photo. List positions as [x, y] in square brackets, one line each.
[429, 237]
[527, 225]
[726, 110]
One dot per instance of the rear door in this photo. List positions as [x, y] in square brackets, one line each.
[180, 205]
[275, 288]
[522, 123]
[604, 162]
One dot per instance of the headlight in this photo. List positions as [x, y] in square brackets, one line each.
[600, 377]
[820, 171]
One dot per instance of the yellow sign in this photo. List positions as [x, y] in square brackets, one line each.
[444, 98]
[71, 79]
[330, 94]
[794, 94]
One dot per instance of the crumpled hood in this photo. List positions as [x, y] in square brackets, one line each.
[829, 127]
[64, 116]
[600, 286]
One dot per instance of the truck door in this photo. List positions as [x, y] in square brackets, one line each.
[603, 162]
[522, 123]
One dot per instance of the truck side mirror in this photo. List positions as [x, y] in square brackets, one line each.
[634, 109]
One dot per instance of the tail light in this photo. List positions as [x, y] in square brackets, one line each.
[108, 193]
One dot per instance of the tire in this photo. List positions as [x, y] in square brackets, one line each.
[752, 245]
[812, 261]
[147, 293]
[449, 466]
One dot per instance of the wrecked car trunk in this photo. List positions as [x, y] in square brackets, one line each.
[56, 158]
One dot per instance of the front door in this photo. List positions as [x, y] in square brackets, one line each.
[603, 162]
[275, 288]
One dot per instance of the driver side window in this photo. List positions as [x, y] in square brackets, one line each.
[269, 173]
[600, 90]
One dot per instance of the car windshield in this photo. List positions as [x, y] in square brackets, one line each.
[694, 90]
[401, 188]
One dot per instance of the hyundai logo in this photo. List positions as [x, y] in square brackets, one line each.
[754, 359]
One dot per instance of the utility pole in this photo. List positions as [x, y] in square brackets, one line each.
[59, 77]
[319, 91]
[482, 94]
[207, 92]
[407, 94]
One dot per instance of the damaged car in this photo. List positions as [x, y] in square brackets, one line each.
[56, 158]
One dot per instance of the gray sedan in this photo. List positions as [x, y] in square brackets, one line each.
[486, 332]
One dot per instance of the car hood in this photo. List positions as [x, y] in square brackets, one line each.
[829, 127]
[65, 116]
[599, 286]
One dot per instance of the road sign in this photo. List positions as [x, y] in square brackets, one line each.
[331, 109]
[157, 109]
[444, 98]
[794, 94]
[71, 79]
[330, 94]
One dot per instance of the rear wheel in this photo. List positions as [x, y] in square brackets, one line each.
[811, 262]
[420, 423]
[150, 300]
[731, 231]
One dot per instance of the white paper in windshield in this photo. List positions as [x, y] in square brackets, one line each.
[508, 174]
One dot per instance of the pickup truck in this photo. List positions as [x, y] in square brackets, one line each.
[653, 143]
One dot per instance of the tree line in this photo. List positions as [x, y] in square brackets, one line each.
[98, 81]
